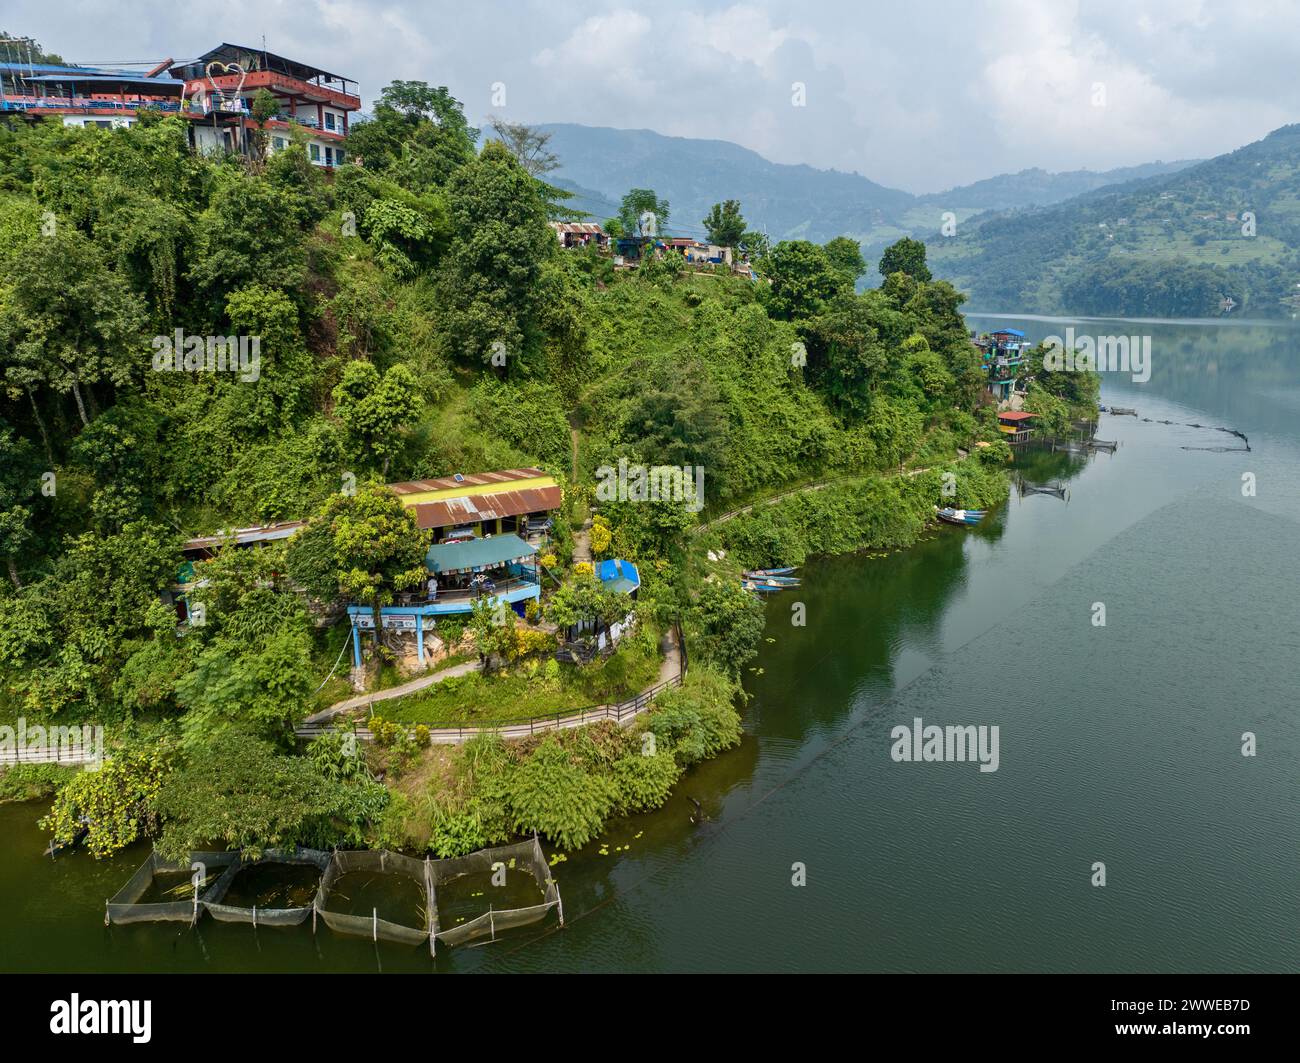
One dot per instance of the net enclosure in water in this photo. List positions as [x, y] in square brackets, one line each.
[377, 894]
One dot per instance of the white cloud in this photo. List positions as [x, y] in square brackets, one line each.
[922, 95]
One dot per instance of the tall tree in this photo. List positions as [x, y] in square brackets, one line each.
[493, 269]
[366, 546]
[803, 280]
[905, 256]
[642, 213]
[724, 223]
[417, 134]
[374, 408]
[75, 323]
[846, 256]
[528, 145]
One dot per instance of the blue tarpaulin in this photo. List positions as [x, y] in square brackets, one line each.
[618, 575]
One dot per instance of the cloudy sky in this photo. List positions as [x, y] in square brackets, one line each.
[918, 94]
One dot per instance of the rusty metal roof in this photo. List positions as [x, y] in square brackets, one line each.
[470, 509]
[477, 479]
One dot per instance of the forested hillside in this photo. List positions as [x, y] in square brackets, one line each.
[1176, 245]
[414, 317]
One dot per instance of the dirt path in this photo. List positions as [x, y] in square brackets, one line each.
[419, 683]
[818, 486]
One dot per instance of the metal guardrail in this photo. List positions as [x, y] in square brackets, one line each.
[520, 726]
[58, 755]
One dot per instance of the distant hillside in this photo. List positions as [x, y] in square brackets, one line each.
[793, 202]
[1175, 244]
[1038, 188]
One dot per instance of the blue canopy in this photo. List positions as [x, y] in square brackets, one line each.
[618, 576]
[1007, 332]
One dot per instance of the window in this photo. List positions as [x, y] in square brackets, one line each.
[329, 156]
[338, 156]
[315, 153]
[278, 142]
[329, 119]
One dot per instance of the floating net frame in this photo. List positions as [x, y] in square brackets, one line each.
[125, 907]
[385, 863]
[228, 913]
[527, 857]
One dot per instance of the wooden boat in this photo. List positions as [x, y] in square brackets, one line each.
[960, 516]
[763, 573]
[54, 848]
[784, 581]
[1101, 444]
[766, 586]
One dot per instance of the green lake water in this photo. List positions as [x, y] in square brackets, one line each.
[1119, 744]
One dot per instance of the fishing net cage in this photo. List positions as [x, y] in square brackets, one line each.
[152, 877]
[168, 891]
[379, 862]
[213, 900]
[522, 857]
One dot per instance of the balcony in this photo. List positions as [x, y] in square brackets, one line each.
[281, 84]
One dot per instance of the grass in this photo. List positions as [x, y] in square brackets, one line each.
[535, 688]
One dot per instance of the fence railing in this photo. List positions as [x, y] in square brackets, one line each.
[445, 733]
[57, 755]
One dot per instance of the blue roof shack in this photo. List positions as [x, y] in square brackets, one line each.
[618, 576]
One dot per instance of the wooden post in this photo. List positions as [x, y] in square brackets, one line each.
[375, 923]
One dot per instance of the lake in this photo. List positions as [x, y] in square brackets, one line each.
[1118, 744]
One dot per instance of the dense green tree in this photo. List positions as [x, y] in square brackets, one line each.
[846, 256]
[374, 408]
[905, 256]
[642, 213]
[492, 270]
[240, 792]
[372, 549]
[20, 474]
[418, 135]
[73, 322]
[804, 280]
[724, 223]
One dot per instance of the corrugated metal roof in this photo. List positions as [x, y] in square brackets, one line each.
[1015, 415]
[261, 533]
[470, 509]
[477, 553]
[478, 479]
[582, 227]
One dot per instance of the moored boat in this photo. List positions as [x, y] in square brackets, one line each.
[960, 516]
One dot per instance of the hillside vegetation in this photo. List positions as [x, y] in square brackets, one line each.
[414, 318]
[1174, 245]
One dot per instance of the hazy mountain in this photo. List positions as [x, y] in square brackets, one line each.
[601, 164]
[1172, 244]
[1038, 188]
[791, 201]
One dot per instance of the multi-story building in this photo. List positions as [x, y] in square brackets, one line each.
[86, 96]
[220, 87]
[214, 92]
